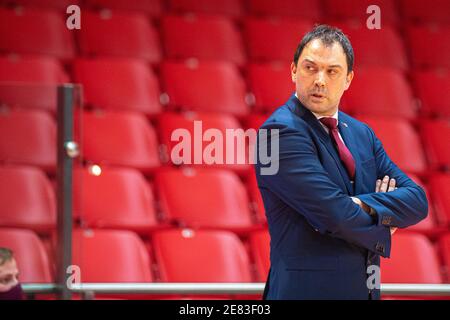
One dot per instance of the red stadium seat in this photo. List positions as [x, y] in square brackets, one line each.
[29, 252]
[356, 10]
[153, 8]
[30, 82]
[28, 137]
[309, 9]
[27, 199]
[444, 249]
[207, 86]
[111, 256]
[201, 256]
[31, 69]
[229, 8]
[117, 198]
[32, 31]
[119, 35]
[256, 198]
[424, 56]
[118, 84]
[210, 38]
[379, 47]
[413, 260]
[48, 4]
[204, 198]
[400, 141]
[169, 122]
[380, 92]
[432, 88]
[424, 12]
[271, 84]
[436, 135]
[255, 120]
[120, 138]
[439, 185]
[274, 40]
[260, 247]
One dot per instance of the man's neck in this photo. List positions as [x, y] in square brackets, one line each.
[319, 115]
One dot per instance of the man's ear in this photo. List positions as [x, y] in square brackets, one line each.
[293, 72]
[349, 79]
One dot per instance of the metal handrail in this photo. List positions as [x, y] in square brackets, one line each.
[392, 289]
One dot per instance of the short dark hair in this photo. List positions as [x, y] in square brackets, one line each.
[328, 35]
[5, 255]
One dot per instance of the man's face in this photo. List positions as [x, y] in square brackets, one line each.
[321, 77]
[9, 275]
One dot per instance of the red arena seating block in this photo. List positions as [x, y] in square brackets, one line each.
[185, 255]
[205, 198]
[118, 84]
[116, 198]
[194, 141]
[35, 31]
[205, 86]
[274, 40]
[152, 8]
[119, 34]
[28, 137]
[29, 252]
[211, 38]
[380, 92]
[400, 141]
[260, 247]
[27, 199]
[271, 85]
[413, 260]
[121, 139]
[229, 8]
[306, 9]
[111, 256]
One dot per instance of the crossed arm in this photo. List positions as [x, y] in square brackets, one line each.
[397, 207]
[304, 185]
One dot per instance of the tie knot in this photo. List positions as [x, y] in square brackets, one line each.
[329, 122]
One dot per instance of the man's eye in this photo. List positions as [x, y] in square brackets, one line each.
[332, 71]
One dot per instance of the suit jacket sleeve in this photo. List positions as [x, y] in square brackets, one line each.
[304, 185]
[399, 208]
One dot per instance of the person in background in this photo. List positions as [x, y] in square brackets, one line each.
[10, 288]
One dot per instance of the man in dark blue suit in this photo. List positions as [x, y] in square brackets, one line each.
[336, 197]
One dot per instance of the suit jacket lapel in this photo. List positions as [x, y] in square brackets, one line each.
[307, 115]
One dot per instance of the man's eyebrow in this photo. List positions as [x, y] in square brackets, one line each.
[308, 60]
[332, 66]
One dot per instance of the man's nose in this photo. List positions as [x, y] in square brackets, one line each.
[320, 79]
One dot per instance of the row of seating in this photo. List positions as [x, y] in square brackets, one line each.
[43, 32]
[187, 255]
[128, 139]
[129, 84]
[393, 11]
[121, 198]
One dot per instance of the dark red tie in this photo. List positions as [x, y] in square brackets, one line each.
[344, 153]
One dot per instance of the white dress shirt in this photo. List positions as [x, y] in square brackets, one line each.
[335, 115]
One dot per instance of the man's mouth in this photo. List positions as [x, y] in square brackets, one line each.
[318, 95]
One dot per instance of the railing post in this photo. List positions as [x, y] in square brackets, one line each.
[67, 150]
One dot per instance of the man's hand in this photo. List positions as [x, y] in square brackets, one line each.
[386, 185]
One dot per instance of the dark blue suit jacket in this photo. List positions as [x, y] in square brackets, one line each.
[321, 241]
